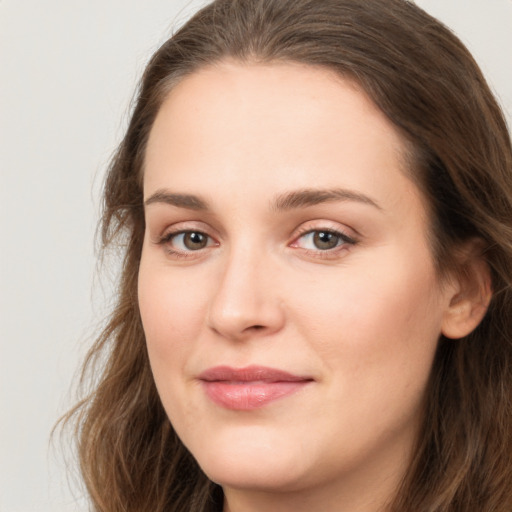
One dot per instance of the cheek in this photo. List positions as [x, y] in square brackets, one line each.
[376, 334]
[383, 318]
[172, 313]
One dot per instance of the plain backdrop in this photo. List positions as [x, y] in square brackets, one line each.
[68, 69]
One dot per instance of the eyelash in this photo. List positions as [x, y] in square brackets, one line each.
[344, 240]
[166, 239]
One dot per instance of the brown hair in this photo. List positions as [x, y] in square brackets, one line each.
[426, 82]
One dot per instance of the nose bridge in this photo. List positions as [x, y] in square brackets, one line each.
[245, 301]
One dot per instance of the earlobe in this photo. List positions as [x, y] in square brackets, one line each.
[468, 305]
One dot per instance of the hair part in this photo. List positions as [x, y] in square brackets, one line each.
[428, 85]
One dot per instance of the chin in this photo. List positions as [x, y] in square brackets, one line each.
[252, 476]
[250, 461]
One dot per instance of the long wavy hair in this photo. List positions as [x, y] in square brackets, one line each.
[428, 85]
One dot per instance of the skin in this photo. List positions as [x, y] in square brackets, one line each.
[361, 319]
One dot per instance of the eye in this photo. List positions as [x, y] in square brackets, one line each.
[187, 241]
[322, 240]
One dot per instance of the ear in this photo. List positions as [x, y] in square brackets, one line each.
[472, 291]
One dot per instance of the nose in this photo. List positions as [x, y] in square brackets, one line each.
[247, 302]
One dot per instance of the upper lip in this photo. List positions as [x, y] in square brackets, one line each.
[249, 374]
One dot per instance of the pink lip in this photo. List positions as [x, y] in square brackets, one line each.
[249, 388]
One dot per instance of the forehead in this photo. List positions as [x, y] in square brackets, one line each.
[285, 124]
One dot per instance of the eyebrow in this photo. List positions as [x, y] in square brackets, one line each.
[188, 201]
[311, 197]
[287, 201]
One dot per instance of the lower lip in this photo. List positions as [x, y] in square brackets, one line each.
[246, 396]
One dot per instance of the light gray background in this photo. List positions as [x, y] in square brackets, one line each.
[67, 73]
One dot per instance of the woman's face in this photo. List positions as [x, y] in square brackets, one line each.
[287, 290]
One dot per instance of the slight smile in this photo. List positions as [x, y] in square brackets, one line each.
[249, 388]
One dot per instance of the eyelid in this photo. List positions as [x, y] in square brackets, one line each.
[165, 239]
[162, 232]
[326, 225]
[173, 234]
[347, 240]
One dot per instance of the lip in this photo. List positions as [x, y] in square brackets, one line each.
[251, 387]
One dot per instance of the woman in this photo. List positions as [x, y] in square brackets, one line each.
[315, 309]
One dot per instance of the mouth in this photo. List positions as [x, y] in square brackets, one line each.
[249, 388]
